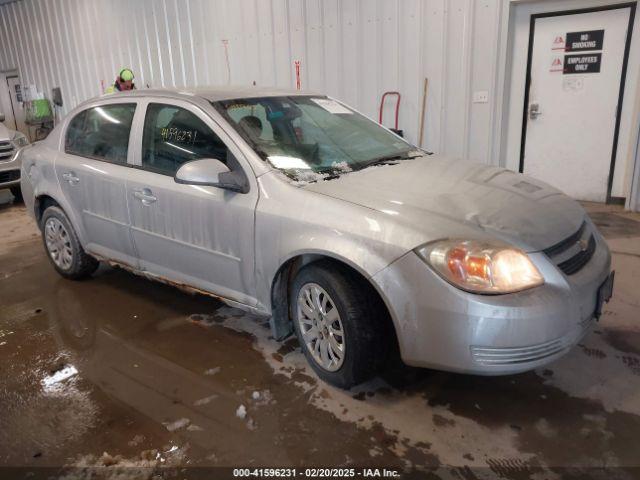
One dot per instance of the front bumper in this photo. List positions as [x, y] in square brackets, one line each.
[10, 172]
[439, 326]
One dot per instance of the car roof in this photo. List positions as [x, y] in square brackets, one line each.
[214, 94]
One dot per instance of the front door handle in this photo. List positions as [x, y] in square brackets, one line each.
[71, 178]
[145, 195]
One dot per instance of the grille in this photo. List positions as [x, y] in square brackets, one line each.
[567, 243]
[516, 355]
[6, 151]
[9, 176]
[576, 261]
[580, 259]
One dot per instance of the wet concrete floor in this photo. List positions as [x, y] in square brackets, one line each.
[124, 377]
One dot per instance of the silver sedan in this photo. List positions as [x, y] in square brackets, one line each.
[10, 143]
[295, 206]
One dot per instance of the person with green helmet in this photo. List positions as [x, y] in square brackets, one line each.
[124, 81]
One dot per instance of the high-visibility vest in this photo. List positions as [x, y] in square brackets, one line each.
[114, 89]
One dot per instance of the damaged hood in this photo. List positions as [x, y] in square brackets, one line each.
[510, 206]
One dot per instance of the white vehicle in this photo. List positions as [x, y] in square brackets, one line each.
[10, 142]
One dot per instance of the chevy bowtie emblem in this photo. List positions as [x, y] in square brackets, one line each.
[583, 244]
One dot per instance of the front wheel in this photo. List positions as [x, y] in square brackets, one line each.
[340, 324]
[63, 247]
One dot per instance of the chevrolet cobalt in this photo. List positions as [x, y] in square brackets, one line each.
[295, 206]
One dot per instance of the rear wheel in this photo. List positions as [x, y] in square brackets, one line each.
[17, 194]
[340, 324]
[63, 247]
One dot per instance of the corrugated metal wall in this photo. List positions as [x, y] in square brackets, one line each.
[353, 50]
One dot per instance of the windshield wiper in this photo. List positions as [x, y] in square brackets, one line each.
[390, 158]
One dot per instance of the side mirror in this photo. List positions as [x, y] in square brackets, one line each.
[213, 173]
[1, 117]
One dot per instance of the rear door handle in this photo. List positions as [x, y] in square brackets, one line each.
[71, 178]
[145, 195]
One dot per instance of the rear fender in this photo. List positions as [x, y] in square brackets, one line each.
[39, 180]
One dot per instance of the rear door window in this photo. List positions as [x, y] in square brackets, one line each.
[101, 132]
[173, 135]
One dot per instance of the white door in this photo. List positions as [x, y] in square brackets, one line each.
[15, 93]
[576, 66]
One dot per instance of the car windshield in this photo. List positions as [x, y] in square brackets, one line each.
[308, 137]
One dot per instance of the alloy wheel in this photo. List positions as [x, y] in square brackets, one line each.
[58, 243]
[321, 326]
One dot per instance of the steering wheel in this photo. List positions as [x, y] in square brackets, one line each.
[315, 154]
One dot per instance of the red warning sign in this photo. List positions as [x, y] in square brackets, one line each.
[556, 65]
[558, 43]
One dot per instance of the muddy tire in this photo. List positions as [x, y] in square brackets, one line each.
[17, 194]
[63, 247]
[340, 323]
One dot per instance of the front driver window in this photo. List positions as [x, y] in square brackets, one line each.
[173, 136]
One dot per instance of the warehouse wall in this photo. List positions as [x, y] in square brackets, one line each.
[353, 50]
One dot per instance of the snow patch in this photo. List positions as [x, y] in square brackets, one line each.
[51, 382]
[177, 425]
[241, 412]
[205, 400]
[212, 371]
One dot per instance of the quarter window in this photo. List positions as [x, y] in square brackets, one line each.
[101, 132]
[173, 136]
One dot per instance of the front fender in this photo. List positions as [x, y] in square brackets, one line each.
[292, 222]
[360, 257]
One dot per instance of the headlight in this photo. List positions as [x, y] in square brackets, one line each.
[481, 267]
[19, 140]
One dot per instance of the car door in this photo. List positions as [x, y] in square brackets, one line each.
[91, 169]
[191, 234]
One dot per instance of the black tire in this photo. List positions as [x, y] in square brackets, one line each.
[82, 265]
[364, 322]
[17, 194]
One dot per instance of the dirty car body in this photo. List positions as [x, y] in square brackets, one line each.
[384, 220]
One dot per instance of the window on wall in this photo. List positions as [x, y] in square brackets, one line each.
[173, 136]
[101, 132]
